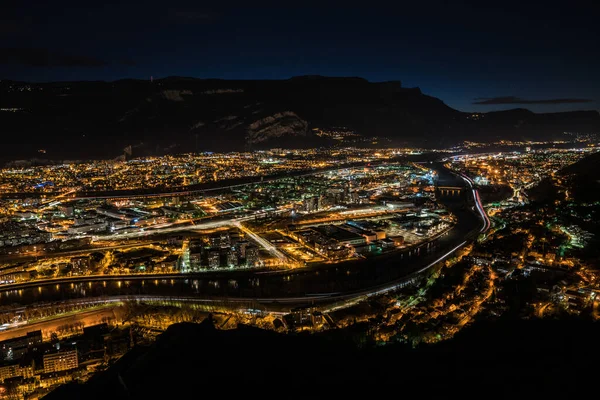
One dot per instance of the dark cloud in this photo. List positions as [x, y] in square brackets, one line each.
[46, 58]
[518, 100]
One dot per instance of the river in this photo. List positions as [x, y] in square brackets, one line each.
[352, 276]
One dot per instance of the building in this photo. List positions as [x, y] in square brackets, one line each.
[195, 258]
[17, 369]
[184, 260]
[311, 204]
[232, 258]
[365, 248]
[322, 202]
[394, 205]
[87, 228]
[81, 264]
[60, 361]
[215, 240]
[387, 243]
[335, 196]
[14, 349]
[252, 256]
[224, 240]
[340, 235]
[241, 247]
[13, 233]
[398, 240]
[15, 276]
[380, 234]
[67, 210]
[429, 227]
[214, 258]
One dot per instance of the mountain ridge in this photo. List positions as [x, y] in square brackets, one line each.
[97, 119]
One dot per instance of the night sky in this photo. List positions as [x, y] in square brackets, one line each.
[473, 56]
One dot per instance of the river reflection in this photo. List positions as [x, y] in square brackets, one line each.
[346, 277]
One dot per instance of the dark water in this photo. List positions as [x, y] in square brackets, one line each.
[345, 277]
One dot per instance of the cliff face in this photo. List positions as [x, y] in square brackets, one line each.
[278, 125]
[98, 119]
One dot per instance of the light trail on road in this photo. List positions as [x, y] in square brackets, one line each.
[486, 221]
[277, 304]
[264, 243]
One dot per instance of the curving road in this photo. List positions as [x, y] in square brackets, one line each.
[326, 285]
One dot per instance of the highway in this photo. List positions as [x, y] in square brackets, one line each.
[70, 253]
[329, 285]
[264, 243]
[235, 222]
[486, 221]
[273, 305]
[89, 316]
[183, 227]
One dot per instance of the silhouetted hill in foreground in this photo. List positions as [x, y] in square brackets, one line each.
[583, 179]
[589, 165]
[503, 359]
[79, 120]
[579, 180]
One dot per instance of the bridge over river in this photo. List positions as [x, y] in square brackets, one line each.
[277, 290]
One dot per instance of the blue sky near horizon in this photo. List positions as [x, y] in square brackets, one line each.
[458, 51]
